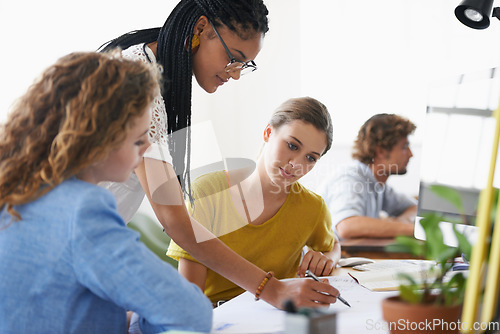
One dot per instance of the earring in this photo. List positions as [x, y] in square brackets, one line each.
[195, 43]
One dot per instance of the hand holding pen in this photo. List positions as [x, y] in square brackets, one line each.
[314, 277]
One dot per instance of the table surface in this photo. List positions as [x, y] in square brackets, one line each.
[371, 248]
[245, 315]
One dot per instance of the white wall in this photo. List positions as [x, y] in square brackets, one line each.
[240, 111]
[358, 57]
[36, 33]
[366, 57]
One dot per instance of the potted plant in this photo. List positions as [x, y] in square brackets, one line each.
[434, 303]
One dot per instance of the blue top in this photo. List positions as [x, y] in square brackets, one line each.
[72, 266]
[354, 191]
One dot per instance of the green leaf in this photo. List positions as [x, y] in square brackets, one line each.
[405, 244]
[464, 245]
[454, 290]
[450, 195]
[447, 254]
[457, 281]
[493, 214]
[410, 294]
[411, 281]
[433, 235]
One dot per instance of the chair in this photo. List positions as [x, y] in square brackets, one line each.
[152, 236]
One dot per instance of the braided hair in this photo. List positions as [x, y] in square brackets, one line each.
[243, 17]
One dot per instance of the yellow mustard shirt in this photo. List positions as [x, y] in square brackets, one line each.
[276, 245]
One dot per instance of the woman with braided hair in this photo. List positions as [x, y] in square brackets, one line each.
[214, 41]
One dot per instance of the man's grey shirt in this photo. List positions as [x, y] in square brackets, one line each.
[354, 191]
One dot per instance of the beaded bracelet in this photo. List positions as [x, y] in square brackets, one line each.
[261, 286]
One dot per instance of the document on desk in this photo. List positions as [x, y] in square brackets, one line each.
[245, 315]
[388, 278]
[354, 293]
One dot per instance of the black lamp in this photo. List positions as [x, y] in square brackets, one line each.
[475, 13]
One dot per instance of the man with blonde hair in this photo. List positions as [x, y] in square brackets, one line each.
[361, 202]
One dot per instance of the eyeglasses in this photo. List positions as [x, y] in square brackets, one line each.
[236, 65]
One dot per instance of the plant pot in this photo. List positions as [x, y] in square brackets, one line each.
[403, 317]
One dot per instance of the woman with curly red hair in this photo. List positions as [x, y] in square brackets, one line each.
[67, 256]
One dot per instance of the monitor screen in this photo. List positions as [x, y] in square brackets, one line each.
[456, 149]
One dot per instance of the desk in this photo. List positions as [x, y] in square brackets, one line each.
[245, 315]
[373, 248]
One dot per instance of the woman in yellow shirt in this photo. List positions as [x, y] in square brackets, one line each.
[265, 215]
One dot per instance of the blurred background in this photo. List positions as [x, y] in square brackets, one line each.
[357, 57]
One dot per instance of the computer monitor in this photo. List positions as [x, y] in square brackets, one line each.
[430, 202]
[456, 149]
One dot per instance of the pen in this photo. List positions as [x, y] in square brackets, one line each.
[314, 277]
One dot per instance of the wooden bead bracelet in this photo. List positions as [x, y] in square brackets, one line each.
[261, 286]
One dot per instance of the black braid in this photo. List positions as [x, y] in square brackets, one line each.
[244, 17]
[240, 16]
[132, 38]
[177, 64]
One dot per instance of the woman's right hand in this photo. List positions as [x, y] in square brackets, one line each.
[302, 292]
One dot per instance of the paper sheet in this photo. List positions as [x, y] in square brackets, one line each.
[244, 315]
[388, 279]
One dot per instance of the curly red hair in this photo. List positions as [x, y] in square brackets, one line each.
[381, 130]
[80, 109]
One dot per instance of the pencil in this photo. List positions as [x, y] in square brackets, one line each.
[314, 277]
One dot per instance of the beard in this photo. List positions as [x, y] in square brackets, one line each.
[399, 171]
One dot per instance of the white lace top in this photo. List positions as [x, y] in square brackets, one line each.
[129, 194]
[158, 130]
